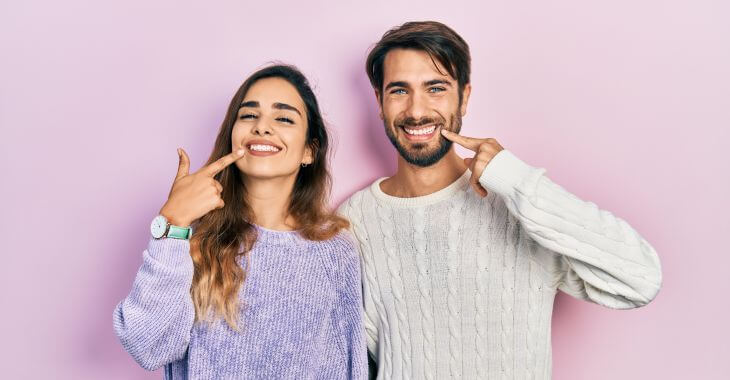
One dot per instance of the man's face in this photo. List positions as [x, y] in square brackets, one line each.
[417, 100]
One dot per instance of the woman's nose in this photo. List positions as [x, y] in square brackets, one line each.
[262, 128]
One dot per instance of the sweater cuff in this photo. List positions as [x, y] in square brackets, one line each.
[504, 172]
[170, 252]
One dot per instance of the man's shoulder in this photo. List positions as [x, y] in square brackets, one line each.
[348, 208]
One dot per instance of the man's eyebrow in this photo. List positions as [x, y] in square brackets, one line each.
[425, 84]
[284, 106]
[250, 103]
[436, 81]
[397, 84]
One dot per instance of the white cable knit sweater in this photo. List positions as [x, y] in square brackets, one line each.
[459, 286]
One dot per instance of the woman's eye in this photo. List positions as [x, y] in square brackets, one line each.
[436, 89]
[285, 120]
[247, 116]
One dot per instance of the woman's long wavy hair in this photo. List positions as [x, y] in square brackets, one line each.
[224, 236]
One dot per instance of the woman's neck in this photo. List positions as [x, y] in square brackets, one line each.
[269, 201]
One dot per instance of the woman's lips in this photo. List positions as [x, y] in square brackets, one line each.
[262, 148]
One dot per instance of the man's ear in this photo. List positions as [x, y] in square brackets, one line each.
[378, 96]
[465, 98]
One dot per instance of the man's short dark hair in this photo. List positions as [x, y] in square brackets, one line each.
[441, 43]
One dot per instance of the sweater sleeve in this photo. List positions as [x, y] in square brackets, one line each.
[347, 211]
[596, 256]
[349, 311]
[155, 320]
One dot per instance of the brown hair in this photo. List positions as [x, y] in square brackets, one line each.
[438, 40]
[218, 236]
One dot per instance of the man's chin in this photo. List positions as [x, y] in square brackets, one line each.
[424, 155]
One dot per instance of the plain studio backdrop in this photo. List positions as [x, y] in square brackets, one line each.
[625, 103]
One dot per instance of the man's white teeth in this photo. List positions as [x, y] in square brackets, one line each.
[264, 148]
[421, 131]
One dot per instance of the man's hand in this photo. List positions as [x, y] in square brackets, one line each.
[485, 150]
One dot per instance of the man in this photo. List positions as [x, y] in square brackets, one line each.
[462, 258]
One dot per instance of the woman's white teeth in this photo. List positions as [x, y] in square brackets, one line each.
[264, 148]
[421, 131]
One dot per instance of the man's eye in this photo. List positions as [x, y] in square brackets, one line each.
[247, 116]
[398, 91]
[436, 89]
[285, 120]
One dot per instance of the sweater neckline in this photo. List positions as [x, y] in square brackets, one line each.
[460, 184]
[266, 236]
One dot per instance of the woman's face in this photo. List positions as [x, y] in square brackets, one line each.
[272, 127]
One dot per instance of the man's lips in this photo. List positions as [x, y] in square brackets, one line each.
[421, 132]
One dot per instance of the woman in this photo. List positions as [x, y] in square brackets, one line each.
[268, 284]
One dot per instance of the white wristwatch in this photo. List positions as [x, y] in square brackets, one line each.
[161, 228]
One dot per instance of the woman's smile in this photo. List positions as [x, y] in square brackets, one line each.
[262, 148]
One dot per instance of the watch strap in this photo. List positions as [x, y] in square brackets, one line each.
[179, 232]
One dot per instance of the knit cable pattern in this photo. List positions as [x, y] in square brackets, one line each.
[396, 282]
[424, 291]
[483, 253]
[355, 212]
[454, 296]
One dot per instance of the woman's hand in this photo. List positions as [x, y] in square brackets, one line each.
[194, 195]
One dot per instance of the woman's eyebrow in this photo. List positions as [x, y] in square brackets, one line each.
[250, 103]
[278, 106]
[284, 106]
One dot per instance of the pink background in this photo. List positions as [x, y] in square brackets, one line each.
[626, 103]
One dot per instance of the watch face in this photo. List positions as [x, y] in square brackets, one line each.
[158, 226]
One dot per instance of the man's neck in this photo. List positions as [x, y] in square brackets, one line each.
[414, 181]
[269, 201]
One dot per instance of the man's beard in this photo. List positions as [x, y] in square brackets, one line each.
[419, 154]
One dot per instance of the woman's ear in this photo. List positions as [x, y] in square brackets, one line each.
[310, 151]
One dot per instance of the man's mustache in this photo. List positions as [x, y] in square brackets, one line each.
[412, 122]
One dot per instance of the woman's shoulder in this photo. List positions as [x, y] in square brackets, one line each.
[339, 256]
[342, 242]
[339, 251]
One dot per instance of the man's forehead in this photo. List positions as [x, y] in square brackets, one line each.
[412, 65]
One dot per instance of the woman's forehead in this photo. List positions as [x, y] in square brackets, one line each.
[270, 91]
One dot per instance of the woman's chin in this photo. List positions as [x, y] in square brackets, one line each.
[263, 174]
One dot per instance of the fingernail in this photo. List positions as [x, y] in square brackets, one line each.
[178, 152]
[240, 152]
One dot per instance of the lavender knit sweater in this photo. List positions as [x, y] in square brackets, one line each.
[300, 316]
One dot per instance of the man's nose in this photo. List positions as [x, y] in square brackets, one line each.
[416, 107]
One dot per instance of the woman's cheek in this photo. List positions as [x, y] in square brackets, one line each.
[236, 135]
